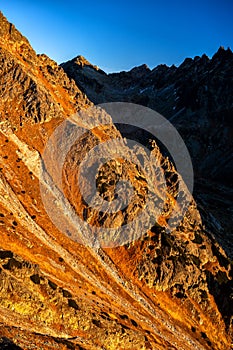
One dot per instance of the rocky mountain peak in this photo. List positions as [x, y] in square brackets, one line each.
[8, 30]
[82, 61]
[140, 70]
[12, 40]
[223, 54]
[59, 291]
[29, 73]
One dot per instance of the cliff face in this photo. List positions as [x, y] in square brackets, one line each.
[159, 291]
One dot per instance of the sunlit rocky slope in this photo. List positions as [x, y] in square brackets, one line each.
[161, 291]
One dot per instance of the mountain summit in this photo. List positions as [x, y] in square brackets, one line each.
[159, 291]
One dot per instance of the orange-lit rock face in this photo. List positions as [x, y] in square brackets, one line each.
[160, 291]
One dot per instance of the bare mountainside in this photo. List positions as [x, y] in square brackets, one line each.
[159, 291]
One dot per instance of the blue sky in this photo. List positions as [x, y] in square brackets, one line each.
[118, 35]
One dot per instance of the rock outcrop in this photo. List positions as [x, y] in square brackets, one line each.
[160, 291]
